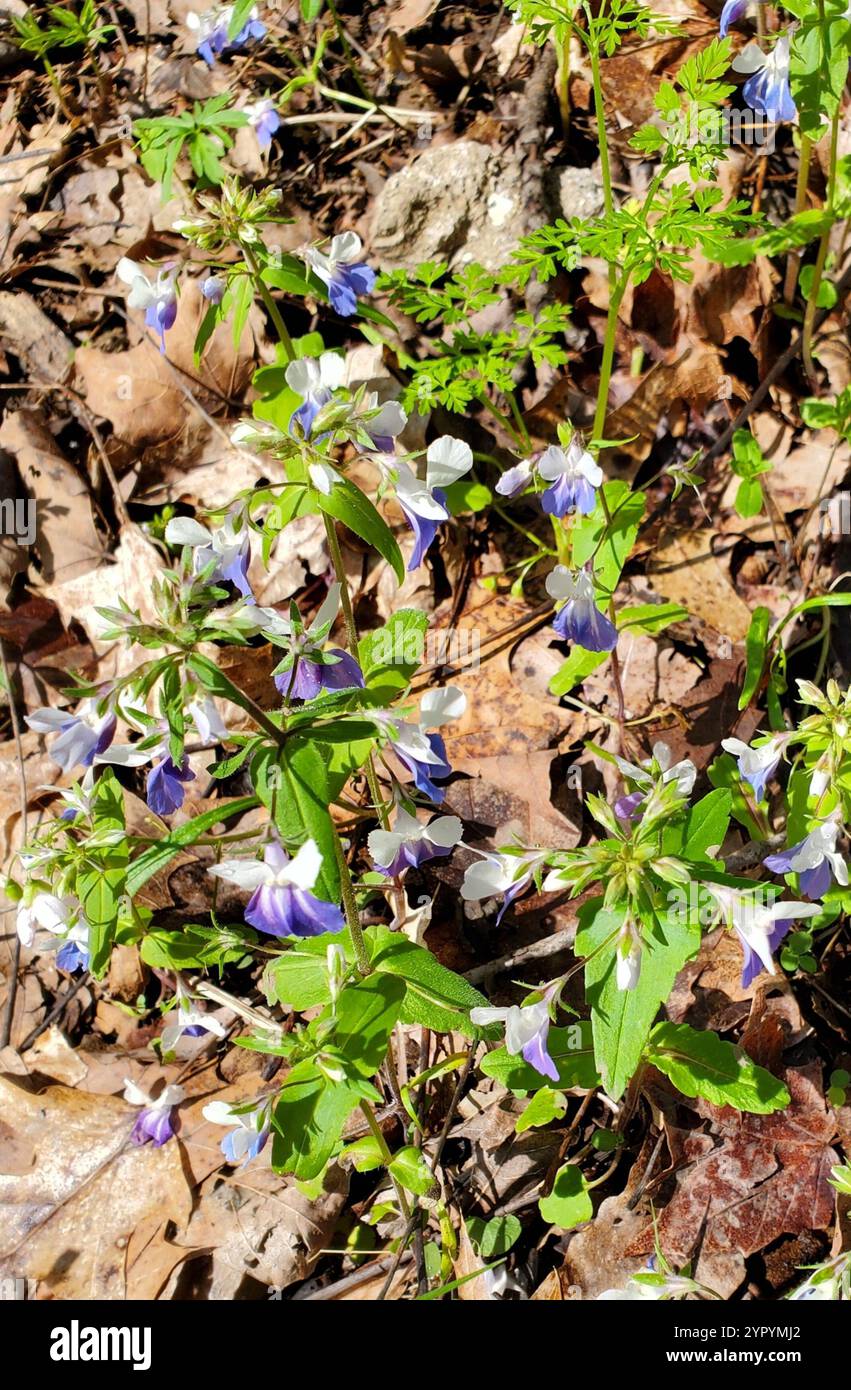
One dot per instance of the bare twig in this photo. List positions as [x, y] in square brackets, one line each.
[22, 783]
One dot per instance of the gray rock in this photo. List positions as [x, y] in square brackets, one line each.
[457, 203]
[574, 192]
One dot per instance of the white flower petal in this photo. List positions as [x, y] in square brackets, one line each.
[447, 459]
[442, 706]
[305, 868]
[245, 873]
[183, 530]
[445, 831]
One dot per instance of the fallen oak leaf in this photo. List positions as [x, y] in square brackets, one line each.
[744, 1181]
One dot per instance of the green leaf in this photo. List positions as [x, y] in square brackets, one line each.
[196, 948]
[544, 1107]
[702, 1064]
[494, 1238]
[626, 509]
[706, 824]
[293, 782]
[391, 655]
[756, 646]
[348, 504]
[411, 1171]
[576, 669]
[749, 498]
[308, 1120]
[366, 1014]
[467, 496]
[298, 978]
[241, 10]
[100, 887]
[651, 617]
[722, 772]
[569, 1203]
[622, 1018]
[571, 1050]
[435, 997]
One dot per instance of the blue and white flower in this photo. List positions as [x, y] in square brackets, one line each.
[424, 501]
[815, 859]
[760, 928]
[164, 789]
[213, 288]
[228, 548]
[252, 1126]
[343, 271]
[386, 424]
[154, 1123]
[157, 297]
[503, 876]
[82, 736]
[516, 479]
[580, 620]
[573, 476]
[282, 902]
[315, 379]
[316, 668]
[733, 11]
[62, 918]
[410, 843]
[526, 1032]
[263, 119]
[423, 753]
[189, 1019]
[210, 31]
[756, 766]
[767, 90]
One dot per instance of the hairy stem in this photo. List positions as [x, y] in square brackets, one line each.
[350, 908]
[271, 307]
[821, 256]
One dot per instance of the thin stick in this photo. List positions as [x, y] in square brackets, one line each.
[22, 785]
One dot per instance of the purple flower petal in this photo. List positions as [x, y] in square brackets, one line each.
[424, 773]
[732, 12]
[312, 676]
[626, 806]
[153, 1125]
[71, 957]
[581, 621]
[164, 789]
[536, 1054]
[283, 910]
[816, 882]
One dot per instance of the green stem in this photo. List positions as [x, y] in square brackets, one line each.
[350, 908]
[800, 199]
[602, 138]
[599, 426]
[521, 423]
[503, 420]
[830, 197]
[562, 83]
[375, 1130]
[271, 307]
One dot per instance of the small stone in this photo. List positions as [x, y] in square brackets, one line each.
[574, 192]
[456, 203]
